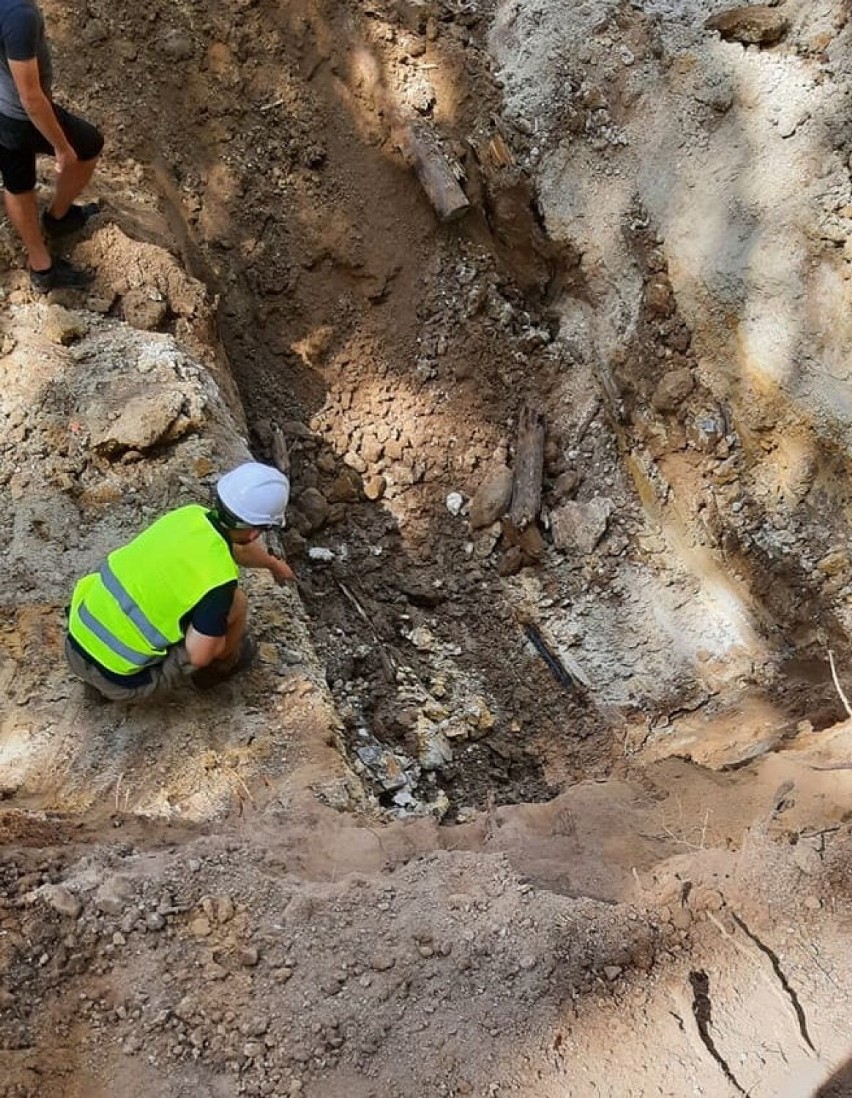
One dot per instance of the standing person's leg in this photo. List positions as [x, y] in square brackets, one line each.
[20, 143]
[87, 141]
[22, 211]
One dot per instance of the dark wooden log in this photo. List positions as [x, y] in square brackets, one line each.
[437, 171]
[529, 465]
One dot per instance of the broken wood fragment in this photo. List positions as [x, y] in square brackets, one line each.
[529, 465]
[280, 453]
[499, 152]
[437, 171]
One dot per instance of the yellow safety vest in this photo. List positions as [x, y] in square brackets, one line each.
[128, 613]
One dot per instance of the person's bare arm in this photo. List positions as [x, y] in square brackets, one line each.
[255, 555]
[40, 109]
[202, 649]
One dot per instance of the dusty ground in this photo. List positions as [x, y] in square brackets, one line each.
[399, 857]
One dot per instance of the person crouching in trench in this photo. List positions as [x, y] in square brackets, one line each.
[166, 606]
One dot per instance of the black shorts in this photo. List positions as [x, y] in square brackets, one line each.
[21, 142]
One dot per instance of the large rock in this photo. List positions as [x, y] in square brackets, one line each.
[581, 525]
[492, 498]
[672, 390]
[753, 25]
[314, 506]
[150, 418]
[145, 309]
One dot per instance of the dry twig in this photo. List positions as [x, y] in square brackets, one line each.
[837, 685]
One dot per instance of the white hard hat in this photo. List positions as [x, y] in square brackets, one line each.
[255, 494]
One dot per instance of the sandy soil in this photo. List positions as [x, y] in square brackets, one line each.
[399, 856]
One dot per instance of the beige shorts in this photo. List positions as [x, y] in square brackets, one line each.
[172, 672]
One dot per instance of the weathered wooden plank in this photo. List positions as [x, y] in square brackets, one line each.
[529, 465]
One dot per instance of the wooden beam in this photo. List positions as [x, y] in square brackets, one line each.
[529, 466]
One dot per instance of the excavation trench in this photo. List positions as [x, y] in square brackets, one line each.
[653, 629]
[397, 355]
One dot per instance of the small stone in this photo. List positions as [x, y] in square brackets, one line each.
[63, 327]
[806, 858]
[314, 507]
[455, 502]
[612, 972]
[248, 956]
[224, 909]
[371, 449]
[320, 554]
[492, 498]
[382, 962]
[200, 927]
[659, 299]
[154, 921]
[346, 488]
[63, 901]
[374, 487]
[256, 1027]
[144, 309]
[511, 562]
[112, 897]
[682, 918]
[177, 46]
[812, 903]
[672, 390]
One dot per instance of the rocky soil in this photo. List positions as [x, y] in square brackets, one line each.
[406, 854]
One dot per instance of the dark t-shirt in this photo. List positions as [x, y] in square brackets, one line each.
[21, 39]
[209, 616]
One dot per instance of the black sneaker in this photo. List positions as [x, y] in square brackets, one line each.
[60, 274]
[72, 222]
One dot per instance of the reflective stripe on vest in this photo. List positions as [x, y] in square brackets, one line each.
[138, 659]
[115, 587]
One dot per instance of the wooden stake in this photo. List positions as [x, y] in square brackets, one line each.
[529, 465]
[437, 172]
[280, 454]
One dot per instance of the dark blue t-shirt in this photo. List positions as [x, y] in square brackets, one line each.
[21, 39]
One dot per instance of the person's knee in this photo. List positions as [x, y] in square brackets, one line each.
[20, 191]
[89, 145]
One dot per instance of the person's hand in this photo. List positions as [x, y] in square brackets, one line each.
[282, 572]
[65, 158]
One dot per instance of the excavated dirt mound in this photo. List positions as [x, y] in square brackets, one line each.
[550, 810]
